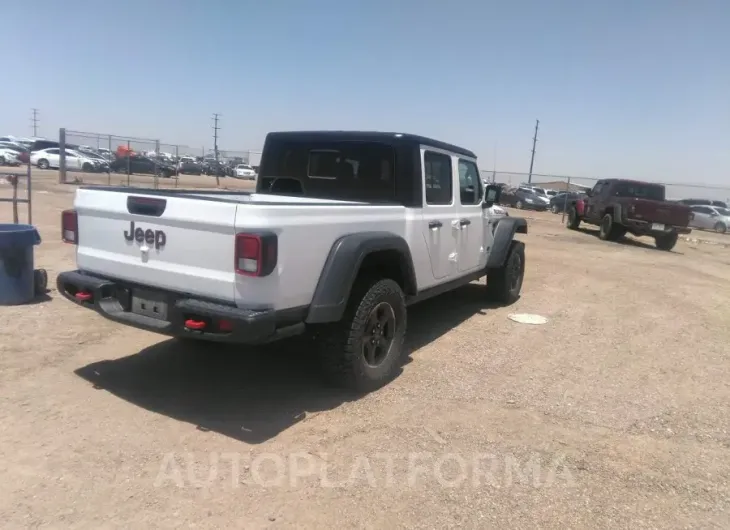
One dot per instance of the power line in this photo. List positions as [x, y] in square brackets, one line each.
[532, 158]
[34, 120]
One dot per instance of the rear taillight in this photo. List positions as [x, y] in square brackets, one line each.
[70, 227]
[256, 254]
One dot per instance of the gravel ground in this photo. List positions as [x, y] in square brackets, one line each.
[615, 414]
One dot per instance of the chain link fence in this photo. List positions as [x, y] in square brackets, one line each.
[162, 161]
[116, 160]
[674, 190]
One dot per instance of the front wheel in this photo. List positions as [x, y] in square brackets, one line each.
[519, 205]
[87, 168]
[554, 208]
[504, 284]
[43, 164]
[720, 228]
[363, 351]
[666, 241]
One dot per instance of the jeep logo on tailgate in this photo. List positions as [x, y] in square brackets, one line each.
[149, 236]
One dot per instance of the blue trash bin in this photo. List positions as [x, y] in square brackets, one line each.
[16, 263]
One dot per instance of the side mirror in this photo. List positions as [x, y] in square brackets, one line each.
[491, 195]
[589, 193]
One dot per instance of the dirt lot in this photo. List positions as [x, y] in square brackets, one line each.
[615, 414]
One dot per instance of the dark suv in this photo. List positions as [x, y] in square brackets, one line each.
[142, 164]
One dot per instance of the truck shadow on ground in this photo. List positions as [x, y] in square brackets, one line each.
[253, 394]
[626, 240]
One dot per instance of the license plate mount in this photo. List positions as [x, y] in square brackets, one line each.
[657, 227]
[149, 304]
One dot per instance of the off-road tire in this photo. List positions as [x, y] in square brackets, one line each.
[610, 231]
[43, 164]
[666, 242]
[340, 345]
[505, 283]
[87, 168]
[573, 219]
[720, 228]
[519, 205]
[554, 208]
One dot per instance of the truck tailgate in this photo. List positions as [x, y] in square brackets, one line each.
[183, 244]
[660, 212]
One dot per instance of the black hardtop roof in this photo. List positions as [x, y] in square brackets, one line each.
[392, 138]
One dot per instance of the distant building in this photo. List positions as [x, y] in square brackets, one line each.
[561, 185]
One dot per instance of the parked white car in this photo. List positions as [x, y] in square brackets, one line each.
[8, 157]
[244, 171]
[710, 218]
[51, 159]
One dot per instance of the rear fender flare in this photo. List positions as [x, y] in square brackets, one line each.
[342, 267]
[504, 233]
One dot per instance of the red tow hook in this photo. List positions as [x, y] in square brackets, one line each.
[83, 296]
[194, 324]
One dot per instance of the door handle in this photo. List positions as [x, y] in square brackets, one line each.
[464, 222]
[435, 224]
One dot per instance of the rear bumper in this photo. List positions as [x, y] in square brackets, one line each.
[223, 323]
[644, 228]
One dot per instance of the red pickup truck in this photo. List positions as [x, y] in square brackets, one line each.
[619, 206]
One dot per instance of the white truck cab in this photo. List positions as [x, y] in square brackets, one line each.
[343, 232]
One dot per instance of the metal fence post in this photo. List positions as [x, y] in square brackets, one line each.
[129, 161]
[109, 167]
[565, 204]
[29, 202]
[62, 157]
[157, 159]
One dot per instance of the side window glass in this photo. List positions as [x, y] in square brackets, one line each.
[470, 185]
[437, 170]
[597, 188]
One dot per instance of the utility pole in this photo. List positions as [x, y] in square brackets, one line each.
[216, 117]
[532, 158]
[215, 147]
[34, 121]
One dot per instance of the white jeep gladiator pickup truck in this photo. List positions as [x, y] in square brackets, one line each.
[343, 232]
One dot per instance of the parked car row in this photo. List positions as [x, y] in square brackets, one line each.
[46, 154]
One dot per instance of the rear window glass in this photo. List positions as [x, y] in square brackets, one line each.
[641, 191]
[356, 171]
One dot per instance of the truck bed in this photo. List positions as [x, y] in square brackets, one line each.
[183, 240]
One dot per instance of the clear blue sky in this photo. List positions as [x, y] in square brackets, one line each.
[622, 88]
